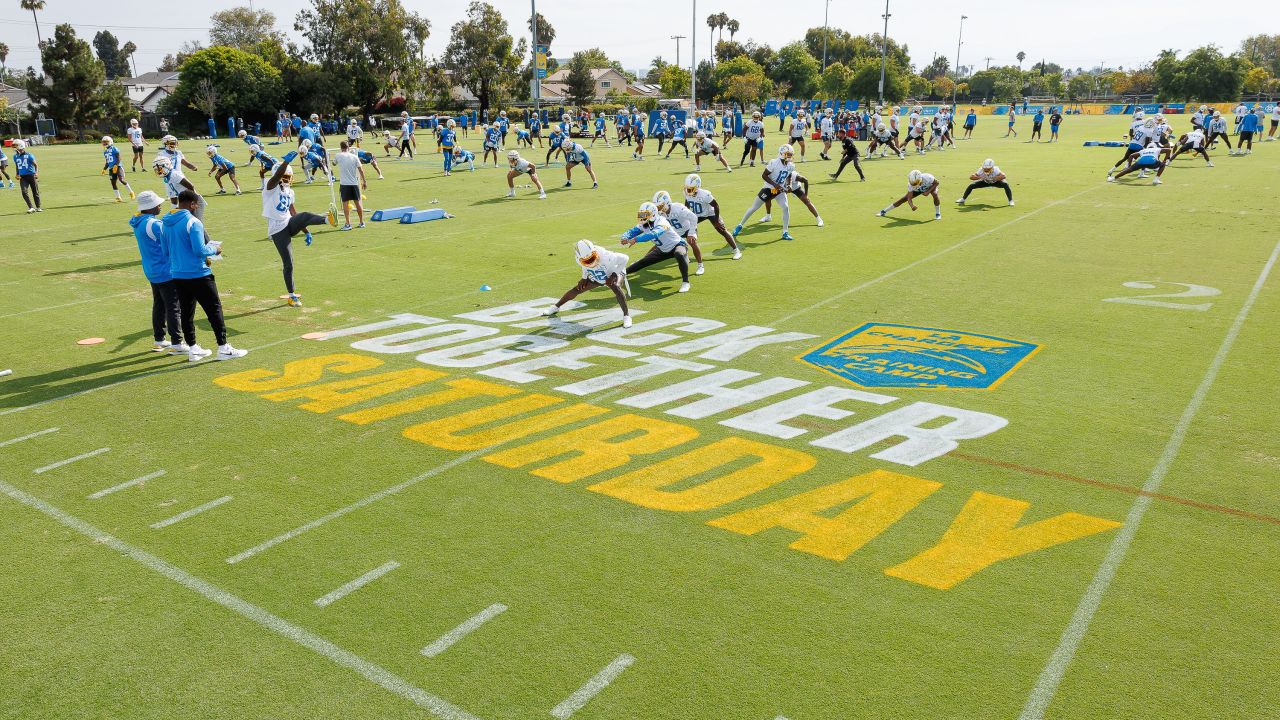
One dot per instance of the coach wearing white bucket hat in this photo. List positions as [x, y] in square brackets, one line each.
[155, 265]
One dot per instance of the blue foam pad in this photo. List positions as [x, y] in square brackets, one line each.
[392, 213]
[1115, 144]
[422, 215]
[1092, 143]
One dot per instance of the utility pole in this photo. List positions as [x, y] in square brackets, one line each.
[693, 62]
[884, 48]
[678, 38]
[537, 81]
[988, 63]
[826, 14]
[959, 42]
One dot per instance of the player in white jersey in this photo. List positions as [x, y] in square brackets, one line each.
[827, 130]
[703, 205]
[798, 129]
[915, 135]
[777, 183]
[354, 133]
[175, 181]
[703, 145]
[918, 183]
[683, 221]
[284, 221]
[1193, 142]
[1148, 159]
[988, 176]
[1143, 134]
[138, 142]
[882, 137]
[667, 243]
[753, 139]
[519, 166]
[1217, 130]
[799, 188]
[600, 268]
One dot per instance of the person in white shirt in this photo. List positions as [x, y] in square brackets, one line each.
[600, 268]
[519, 166]
[1239, 112]
[284, 221]
[684, 222]
[1275, 122]
[667, 243]
[354, 133]
[138, 142]
[827, 128]
[988, 176]
[703, 145]
[703, 205]
[1193, 142]
[918, 184]
[351, 181]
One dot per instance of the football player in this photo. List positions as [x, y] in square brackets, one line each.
[777, 183]
[267, 164]
[667, 243]
[703, 145]
[113, 168]
[221, 166]
[1192, 142]
[1148, 158]
[575, 154]
[987, 176]
[284, 221]
[519, 166]
[683, 221]
[703, 205]
[600, 268]
[918, 184]
[138, 142]
[753, 139]
[799, 128]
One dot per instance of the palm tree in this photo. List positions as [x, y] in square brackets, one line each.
[1021, 56]
[33, 6]
[4, 55]
[733, 27]
[713, 22]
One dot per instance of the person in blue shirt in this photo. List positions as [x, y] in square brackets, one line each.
[726, 128]
[492, 141]
[367, 158]
[1055, 119]
[296, 123]
[553, 142]
[1249, 126]
[504, 126]
[190, 255]
[306, 133]
[149, 233]
[447, 140]
[1036, 122]
[266, 162]
[249, 139]
[600, 133]
[677, 138]
[621, 125]
[413, 125]
[522, 138]
[458, 155]
[280, 129]
[574, 155]
[221, 166]
[317, 131]
[970, 122]
[535, 129]
[113, 168]
[4, 169]
[28, 175]
[661, 130]
[637, 131]
[314, 158]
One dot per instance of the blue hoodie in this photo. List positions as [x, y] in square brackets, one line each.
[155, 256]
[184, 241]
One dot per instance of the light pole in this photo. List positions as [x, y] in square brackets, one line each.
[537, 81]
[693, 61]
[884, 48]
[826, 13]
[959, 42]
[678, 38]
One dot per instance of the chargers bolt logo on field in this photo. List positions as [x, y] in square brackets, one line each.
[879, 355]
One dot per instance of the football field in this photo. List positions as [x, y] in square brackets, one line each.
[1021, 462]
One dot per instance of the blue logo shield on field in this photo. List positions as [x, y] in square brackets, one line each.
[881, 355]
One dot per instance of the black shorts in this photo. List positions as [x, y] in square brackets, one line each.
[1246, 135]
[767, 193]
[714, 218]
[893, 133]
[137, 149]
[349, 193]
[795, 139]
[227, 171]
[757, 144]
[918, 193]
[1035, 127]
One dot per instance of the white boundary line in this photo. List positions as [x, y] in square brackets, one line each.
[190, 513]
[127, 484]
[583, 695]
[385, 678]
[70, 460]
[937, 254]
[1047, 684]
[356, 584]
[444, 642]
[17, 440]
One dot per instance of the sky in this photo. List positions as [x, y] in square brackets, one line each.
[1079, 33]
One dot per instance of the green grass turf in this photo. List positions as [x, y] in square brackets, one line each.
[721, 625]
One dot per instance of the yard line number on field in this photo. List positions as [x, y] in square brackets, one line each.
[1192, 291]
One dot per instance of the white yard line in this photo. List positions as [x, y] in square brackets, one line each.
[190, 513]
[933, 256]
[24, 438]
[68, 461]
[463, 630]
[127, 484]
[356, 584]
[583, 695]
[1047, 684]
[77, 302]
[385, 678]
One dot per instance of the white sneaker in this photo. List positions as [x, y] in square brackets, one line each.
[542, 196]
[1011, 203]
[684, 287]
[737, 254]
[160, 346]
[700, 270]
[548, 312]
[179, 349]
[197, 353]
[1110, 179]
[511, 193]
[226, 352]
[1208, 164]
[960, 201]
[626, 321]
[1157, 181]
[30, 210]
[766, 218]
[819, 222]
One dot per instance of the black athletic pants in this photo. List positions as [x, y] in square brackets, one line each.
[165, 312]
[406, 148]
[1008, 191]
[203, 290]
[680, 253]
[284, 241]
[856, 165]
[29, 181]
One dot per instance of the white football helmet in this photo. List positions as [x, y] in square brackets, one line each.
[107, 141]
[915, 178]
[700, 136]
[692, 184]
[169, 141]
[161, 165]
[305, 145]
[566, 144]
[785, 152]
[513, 155]
[19, 144]
[450, 123]
[211, 150]
[662, 199]
[647, 214]
[315, 117]
[241, 134]
[255, 148]
[587, 254]
[756, 115]
[988, 165]
[133, 122]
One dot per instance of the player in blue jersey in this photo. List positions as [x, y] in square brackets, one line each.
[1148, 159]
[726, 128]
[249, 139]
[112, 167]
[667, 243]
[661, 130]
[462, 156]
[28, 175]
[638, 132]
[574, 155]
[535, 129]
[314, 158]
[970, 122]
[600, 133]
[367, 158]
[678, 138]
[448, 140]
[492, 142]
[221, 166]
[266, 162]
[523, 139]
[621, 122]
[1037, 121]
[553, 144]
[504, 126]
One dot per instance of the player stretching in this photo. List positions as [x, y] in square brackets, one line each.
[138, 142]
[703, 145]
[753, 139]
[918, 184]
[600, 268]
[667, 244]
[777, 182]
[221, 166]
[704, 206]
[284, 221]
[113, 168]
[1148, 159]
[267, 164]
[1192, 142]
[575, 154]
[988, 176]
[519, 166]
[683, 221]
